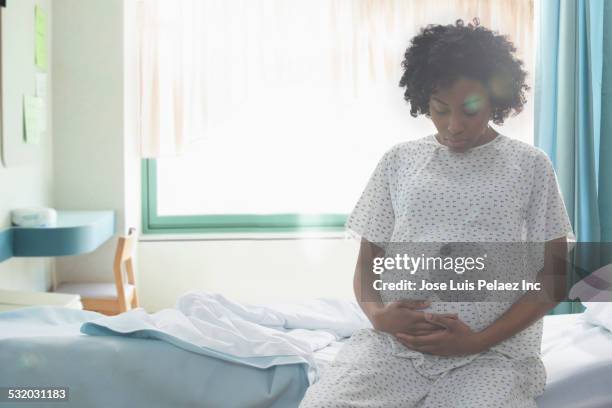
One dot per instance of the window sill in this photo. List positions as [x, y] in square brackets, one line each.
[244, 236]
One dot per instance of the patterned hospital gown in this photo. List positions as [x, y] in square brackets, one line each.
[421, 191]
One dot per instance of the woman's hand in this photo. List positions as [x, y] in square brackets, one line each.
[404, 316]
[455, 339]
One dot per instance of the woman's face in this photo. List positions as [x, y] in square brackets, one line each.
[461, 115]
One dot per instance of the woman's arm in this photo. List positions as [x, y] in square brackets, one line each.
[459, 339]
[532, 306]
[368, 298]
[402, 316]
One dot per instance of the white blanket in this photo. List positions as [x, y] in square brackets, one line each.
[207, 320]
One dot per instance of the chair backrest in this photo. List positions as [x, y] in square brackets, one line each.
[123, 258]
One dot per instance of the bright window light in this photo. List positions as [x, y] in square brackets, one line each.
[293, 126]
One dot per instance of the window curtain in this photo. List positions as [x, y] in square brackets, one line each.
[170, 72]
[200, 60]
[573, 115]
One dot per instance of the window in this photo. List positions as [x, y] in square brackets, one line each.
[299, 100]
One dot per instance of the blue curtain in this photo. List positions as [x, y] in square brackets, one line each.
[573, 117]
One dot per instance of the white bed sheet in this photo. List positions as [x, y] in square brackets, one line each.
[578, 360]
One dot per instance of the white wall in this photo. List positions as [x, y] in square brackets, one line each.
[89, 121]
[132, 162]
[28, 185]
[250, 270]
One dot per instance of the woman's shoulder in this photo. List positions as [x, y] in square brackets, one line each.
[408, 148]
[523, 151]
[407, 154]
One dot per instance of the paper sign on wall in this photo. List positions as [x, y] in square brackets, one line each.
[33, 111]
[40, 36]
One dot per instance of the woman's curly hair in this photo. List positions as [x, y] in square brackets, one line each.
[440, 54]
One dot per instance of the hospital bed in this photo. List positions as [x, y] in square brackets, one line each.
[46, 349]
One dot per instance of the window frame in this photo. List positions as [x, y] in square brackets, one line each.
[153, 223]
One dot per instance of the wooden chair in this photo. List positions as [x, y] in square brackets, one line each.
[111, 298]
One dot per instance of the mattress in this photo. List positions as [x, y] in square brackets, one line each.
[42, 346]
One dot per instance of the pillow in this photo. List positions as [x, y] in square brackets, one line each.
[599, 314]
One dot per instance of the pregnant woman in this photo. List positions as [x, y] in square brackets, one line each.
[466, 183]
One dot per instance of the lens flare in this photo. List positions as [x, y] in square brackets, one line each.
[500, 87]
[472, 104]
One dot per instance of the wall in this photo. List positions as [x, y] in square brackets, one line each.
[249, 270]
[27, 185]
[89, 121]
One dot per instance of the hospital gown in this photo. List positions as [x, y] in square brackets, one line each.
[421, 191]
